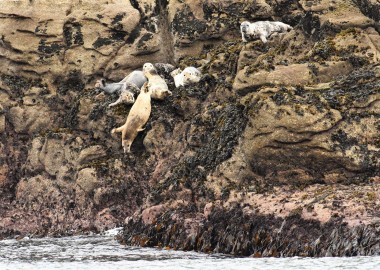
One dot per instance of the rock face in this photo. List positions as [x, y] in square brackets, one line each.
[277, 141]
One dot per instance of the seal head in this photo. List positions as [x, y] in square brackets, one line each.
[244, 29]
[100, 83]
[149, 68]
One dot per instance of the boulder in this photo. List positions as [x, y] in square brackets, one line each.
[87, 180]
[36, 189]
[31, 120]
[302, 135]
[150, 215]
[57, 38]
[91, 153]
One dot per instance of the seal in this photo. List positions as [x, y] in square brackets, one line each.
[187, 76]
[191, 75]
[156, 84]
[126, 95]
[123, 89]
[148, 67]
[126, 88]
[135, 78]
[136, 119]
[177, 77]
[109, 88]
[262, 29]
[162, 69]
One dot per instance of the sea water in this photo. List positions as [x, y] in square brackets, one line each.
[104, 252]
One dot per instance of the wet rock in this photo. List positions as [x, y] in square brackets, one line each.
[234, 233]
[105, 220]
[149, 215]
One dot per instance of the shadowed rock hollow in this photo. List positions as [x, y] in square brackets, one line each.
[277, 141]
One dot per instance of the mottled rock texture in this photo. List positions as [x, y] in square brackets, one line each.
[277, 141]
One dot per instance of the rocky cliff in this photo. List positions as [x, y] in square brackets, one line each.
[276, 150]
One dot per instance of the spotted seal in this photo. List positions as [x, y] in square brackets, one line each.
[187, 76]
[262, 29]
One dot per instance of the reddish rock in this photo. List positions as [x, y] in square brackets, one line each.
[149, 215]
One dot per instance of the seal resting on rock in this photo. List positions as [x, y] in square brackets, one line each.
[125, 96]
[187, 76]
[148, 67]
[135, 78]
[137, 118]
[109, 88]
[126, 88]
[123, 89]
[191, 75]
[177, 77]
[262, 29]
[157, 85]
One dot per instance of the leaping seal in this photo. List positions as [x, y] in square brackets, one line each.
[262, 29]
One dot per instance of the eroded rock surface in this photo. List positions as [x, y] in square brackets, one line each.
[277, 141]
